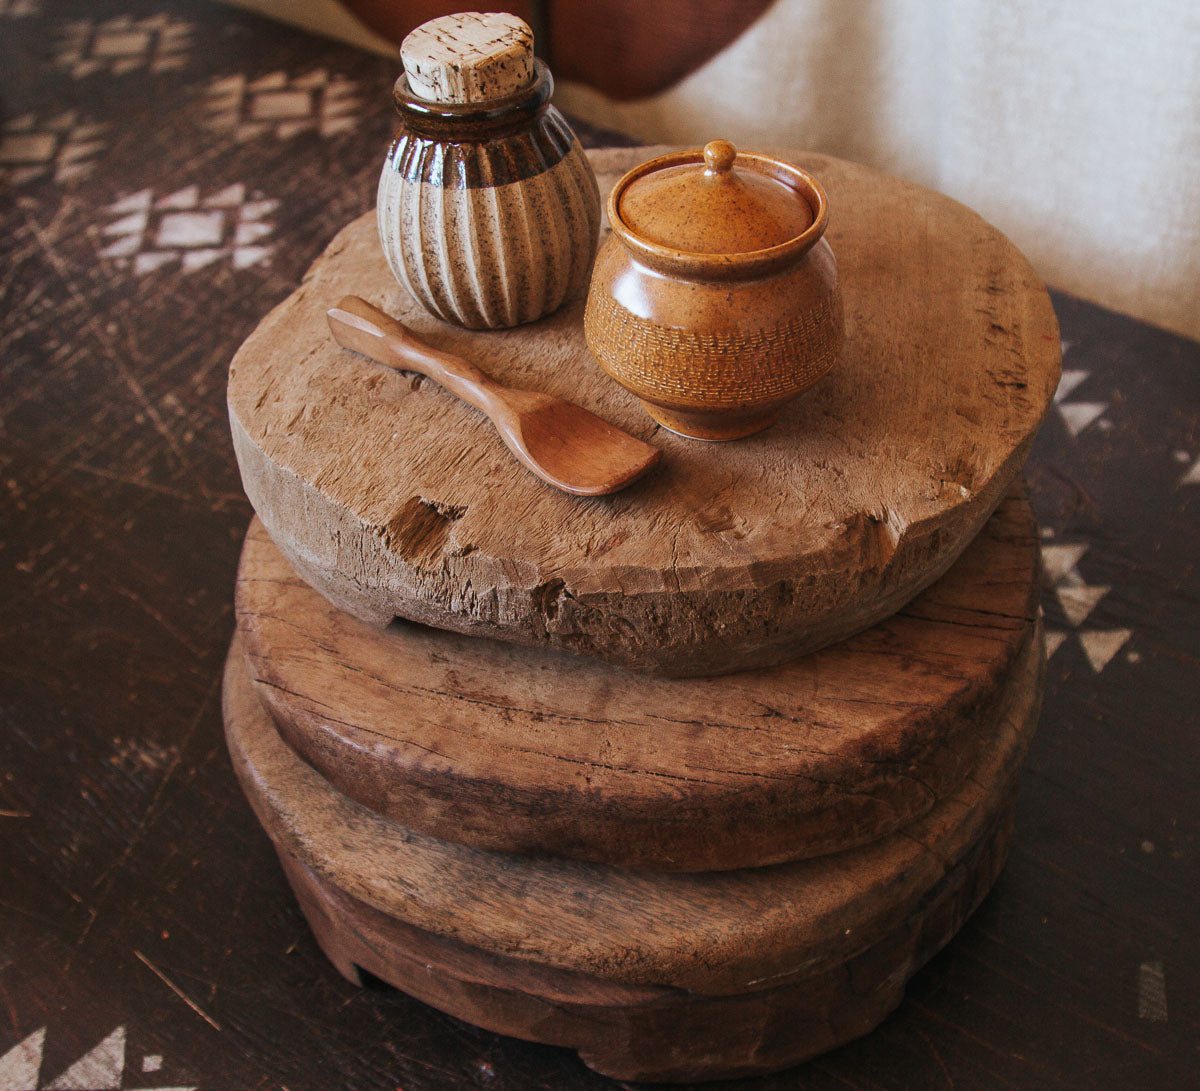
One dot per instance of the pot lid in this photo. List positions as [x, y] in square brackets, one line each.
[717, 203]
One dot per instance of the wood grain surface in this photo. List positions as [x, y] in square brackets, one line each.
[711, 933]
[137, 890]
[646, 1032]
[727, 557]
[529, 750]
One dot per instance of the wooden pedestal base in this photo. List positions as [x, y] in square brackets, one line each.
[647, 976]
[647, 1033]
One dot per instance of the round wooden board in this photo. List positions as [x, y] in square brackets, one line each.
[713, 933]
[527, 750]
[396, 500]
[639, 1032]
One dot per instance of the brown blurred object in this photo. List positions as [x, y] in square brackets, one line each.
[625, 48]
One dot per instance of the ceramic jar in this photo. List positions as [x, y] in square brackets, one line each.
[488, 209]
[716, 299]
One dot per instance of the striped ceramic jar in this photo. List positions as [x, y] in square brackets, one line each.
[488, 212]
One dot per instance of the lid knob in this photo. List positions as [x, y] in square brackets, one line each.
[718, 157]
[470, 57]
[716, 201]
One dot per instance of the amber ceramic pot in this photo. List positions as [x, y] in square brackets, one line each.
[715, 300]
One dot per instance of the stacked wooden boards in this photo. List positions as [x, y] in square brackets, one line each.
[679, 877]
[637, 968]
[396, 500]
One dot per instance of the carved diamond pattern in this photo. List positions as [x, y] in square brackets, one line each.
[187, 231]
[158, 43]
[283, 107]
[101, 1068]
[62, 147]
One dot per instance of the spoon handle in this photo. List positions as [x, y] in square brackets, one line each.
[358, 326]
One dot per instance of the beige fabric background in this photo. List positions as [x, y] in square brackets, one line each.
[322, 17]
[1074, 126]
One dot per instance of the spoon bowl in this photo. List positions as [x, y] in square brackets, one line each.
[564, 444]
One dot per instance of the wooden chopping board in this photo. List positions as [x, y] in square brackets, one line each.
[395, 500]
[529, 750]
[713, 933]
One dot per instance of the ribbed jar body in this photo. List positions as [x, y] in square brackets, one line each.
[493, 231]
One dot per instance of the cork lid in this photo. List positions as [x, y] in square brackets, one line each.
[718, 205]
[472, 57]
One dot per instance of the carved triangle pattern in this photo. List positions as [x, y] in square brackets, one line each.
[101, 1068]
[1077, 600]
[62, 146]
[117, 46]
[187, 231]
[1077, 416]
[19, 1067]
[1191, 476]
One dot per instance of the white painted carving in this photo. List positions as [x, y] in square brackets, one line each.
[1078, 599]
[1069, 381]
[1152, 992]
[158, 43]
[1079, 415]
[187, 231]
[282, 106]
[1100, 645]
[100, 1069]
[1054, 639]
[19, 1067]
[62, 146]
[1058, 561]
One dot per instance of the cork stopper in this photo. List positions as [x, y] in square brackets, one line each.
[470, 57]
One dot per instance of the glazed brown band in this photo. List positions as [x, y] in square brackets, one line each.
[475, 165]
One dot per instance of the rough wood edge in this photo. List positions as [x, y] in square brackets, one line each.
[760, 927]
[710, 829]
[725, 632]
[648, 1033]
[728, 633]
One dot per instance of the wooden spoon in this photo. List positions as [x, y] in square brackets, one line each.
[563, 444]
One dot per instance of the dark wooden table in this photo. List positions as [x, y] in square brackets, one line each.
[169, 169]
